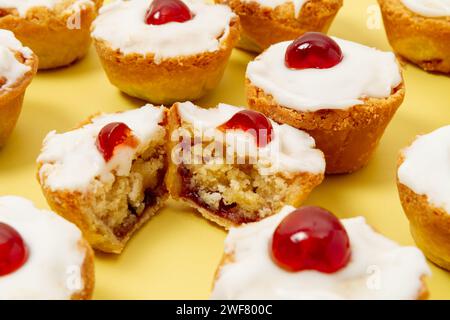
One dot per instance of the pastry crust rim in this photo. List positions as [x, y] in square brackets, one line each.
[168, 80]
[404, 26]
[20, 85]
[284, 12]
[425, 217]
[397, 93]
[11, 100]
[263, 26]
[344, 127]
[149, 57]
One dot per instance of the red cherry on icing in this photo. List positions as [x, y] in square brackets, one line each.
[13, 252]
[313, 50]
[254, 122]
[111, 136]
[311, 238]
[165, 11]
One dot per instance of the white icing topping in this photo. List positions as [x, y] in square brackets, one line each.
[71, 160]
[379, 268]
[363, 72]
[10, 68]
[426, 167]
[298, 4]
[429, 8]
[53, 268]
[203, 33]
[291, 150]
[23, 6]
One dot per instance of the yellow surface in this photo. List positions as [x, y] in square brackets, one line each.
[176, 253]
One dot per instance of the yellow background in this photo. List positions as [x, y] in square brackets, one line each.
[175, 255]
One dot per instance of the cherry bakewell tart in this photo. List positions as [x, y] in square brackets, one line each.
[107, 176]
[419, 30]
[165, 51]
[423, 182]
[237, 166]
[58, 31]
[42, 256]
[18, 65]
[310, 254]
[342, 93]
[266, 22]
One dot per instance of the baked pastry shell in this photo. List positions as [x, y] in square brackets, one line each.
[422, 40]
[429, 225]
[75, 207]
[264, 26]
[347, 137]
[304, 181]
[47, 33]
[175, 79]
[11, 100]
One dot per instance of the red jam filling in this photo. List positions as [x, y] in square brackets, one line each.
[253, 122]
[165, 11]
[313, 50]
[112, 136]
[13, 252]
[311, 238]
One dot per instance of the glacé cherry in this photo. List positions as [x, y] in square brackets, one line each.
[253, 122]
[111, 136]
[165, 11]
[313, 50]
[311, 238]
[13, 251]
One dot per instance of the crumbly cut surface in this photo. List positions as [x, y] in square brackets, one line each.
[121, 205]
[236, 191]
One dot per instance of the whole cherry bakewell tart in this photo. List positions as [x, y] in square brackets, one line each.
[342, 93]
[424, 188]
[42, 256]
[236, 166]
[107, 176]
[18, 65]
[165, 51]
[310, 254]
[58, 31]
[266, 22]
[419, 30]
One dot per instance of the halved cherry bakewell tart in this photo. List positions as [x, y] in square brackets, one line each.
[419, 30]
[107, 176]
[423, 182]
[342, 93]
[266, 22]
[58, 31]
[42, 256]
[310, 254]
[165, 51]
[18, 65]
[236, 166]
